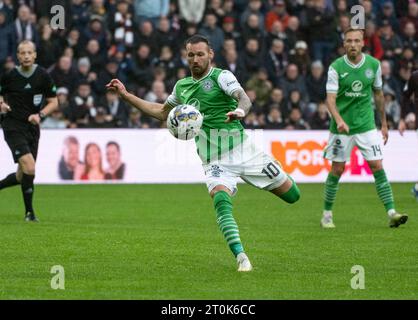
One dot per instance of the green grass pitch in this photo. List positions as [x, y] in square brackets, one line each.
[162, 242]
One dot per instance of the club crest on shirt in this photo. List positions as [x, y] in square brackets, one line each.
[369, 73]
[207, 85]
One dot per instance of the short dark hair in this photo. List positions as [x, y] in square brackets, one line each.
[113, 143]
[197, 38]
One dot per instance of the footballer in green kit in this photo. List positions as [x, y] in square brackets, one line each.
[351, 80]
[225, 150]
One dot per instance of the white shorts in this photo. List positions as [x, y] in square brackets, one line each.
[339, 146]
[247, 162]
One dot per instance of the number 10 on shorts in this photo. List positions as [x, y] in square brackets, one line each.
[271, 170]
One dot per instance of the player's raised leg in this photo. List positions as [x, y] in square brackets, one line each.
[330, 193]
[384, 191]
[9, 181]
[26, 174]
[222, 201]
[288, 191]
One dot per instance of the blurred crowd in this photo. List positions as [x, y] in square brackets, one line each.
[279, 51]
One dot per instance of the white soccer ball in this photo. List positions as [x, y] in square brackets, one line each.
[184, 122]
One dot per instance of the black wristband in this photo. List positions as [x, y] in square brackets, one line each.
[42, 115]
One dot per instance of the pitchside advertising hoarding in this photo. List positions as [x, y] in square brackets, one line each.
[154, 156]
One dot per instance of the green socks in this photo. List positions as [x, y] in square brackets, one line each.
[384, 189]
[293, 194]
[331, 188]
[226, 222]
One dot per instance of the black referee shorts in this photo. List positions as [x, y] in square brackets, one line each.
[22, 142]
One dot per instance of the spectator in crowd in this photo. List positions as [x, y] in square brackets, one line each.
[320, 119]
[110, 71]
[24, 28]
[253, 7]
[7, 41]
[300, 56]
[251, 121]
[372, 44]
[122, 25]
[295, 121]
[165, 36]
[391, 42]
[392, 108]
[277, 32]
[83, 71]
[230, 32]
[293, 33]
[277, 99]
[145, 35]
[192, 11]
[320, 22]
[315, 84]
[293, 81]
[388, 14]
[274, 119]
[214, 33]
[140, 70]
[389, 81]
[412, 16]
[49, 50]
[261, 85]
[409, 38]
[63, 74]
[252, 30]
[150, 10]
[117, 109]
[165, 61]
[96, 58]
[276, 61]
[80, 15]
[82, 106]
[95, 30]
[101, 119]
[73, 41]
[250, 59]
[277, 13]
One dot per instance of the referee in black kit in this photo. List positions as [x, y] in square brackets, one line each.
[23, 92]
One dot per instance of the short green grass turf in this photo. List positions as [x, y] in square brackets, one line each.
[162, 242]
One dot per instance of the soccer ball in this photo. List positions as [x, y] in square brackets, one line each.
[184, 122]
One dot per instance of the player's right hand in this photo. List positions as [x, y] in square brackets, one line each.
[342, 127]
[401, 127]
[4, 107]
[116, 85]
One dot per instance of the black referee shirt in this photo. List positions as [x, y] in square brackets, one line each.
[25, 93]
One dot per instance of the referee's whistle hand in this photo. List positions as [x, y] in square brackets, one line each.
[4, 107]
[35, 119]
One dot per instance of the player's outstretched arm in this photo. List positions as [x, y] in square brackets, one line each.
[155, 110]
[380, 106]
[332, 107]
[244, 105]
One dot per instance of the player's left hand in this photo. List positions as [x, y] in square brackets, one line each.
[385, 134]
[237, 114]
[35, 119]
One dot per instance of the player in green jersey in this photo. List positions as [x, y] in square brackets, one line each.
[351, 79]
[226, 152]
